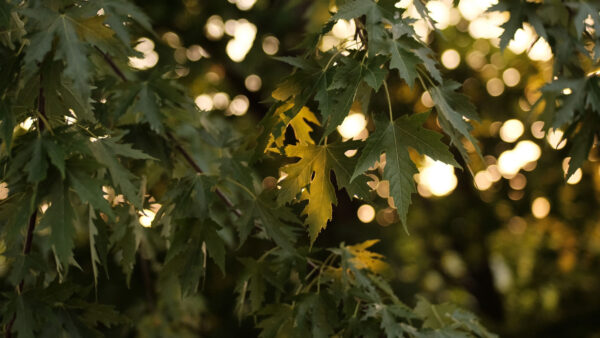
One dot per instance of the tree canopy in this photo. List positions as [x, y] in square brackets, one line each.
[194, 168]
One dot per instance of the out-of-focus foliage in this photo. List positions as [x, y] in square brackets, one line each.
[136, 148]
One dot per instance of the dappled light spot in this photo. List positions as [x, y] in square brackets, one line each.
[450, 59]
[495, 86]
[270, 45]
[554, 137]
[352, 125]
[244, 33]
[204, 102]
[149, 57]
[437, 177]
[239, 105]
[540, 208]
[366, 213]
[253, 82]
[214, 28]
[511, 130]
[511, 77]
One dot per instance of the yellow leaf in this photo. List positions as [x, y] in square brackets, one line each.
[312, 173]
[299, 124]
[285, 90]
[364, 259]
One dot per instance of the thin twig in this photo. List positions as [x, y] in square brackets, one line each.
[26, 250]
[199, 170]
[148, 284]
[178, 146]
[41, 101]
[112, 64]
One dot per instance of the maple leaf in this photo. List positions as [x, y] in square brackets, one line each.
[313, 173]
[275, 220]
[454, 111]
[70, 49]
[60, 218]
[393, 139]
[365, 259]
[299, 123]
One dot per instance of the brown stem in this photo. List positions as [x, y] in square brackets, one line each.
[148, 284]
[26, 250]
[183, 152]
[360, 31]
[42, 106]
[41, 102]
[199, 170]
[112, 64]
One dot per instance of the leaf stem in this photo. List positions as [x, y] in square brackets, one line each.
[389, 100]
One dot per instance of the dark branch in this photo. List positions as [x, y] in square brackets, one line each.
[199, 170]
[178, 146]
[112, 65]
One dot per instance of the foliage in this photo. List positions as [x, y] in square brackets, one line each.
[108, 143]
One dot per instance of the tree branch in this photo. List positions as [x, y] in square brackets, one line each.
[112, 64]
[199, 170]
[184, 153]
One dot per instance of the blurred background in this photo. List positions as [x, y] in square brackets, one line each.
[513, 241]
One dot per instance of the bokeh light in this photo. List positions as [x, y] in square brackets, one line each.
[511, 130]
[352, 125]
[253, 82]
[437, 177]
[495, 87]
[366, 213]
[540, 208]
[540, 51]
[214, 27]
[555, 139]
[511, 77]
[270, 45]
[146, 218]
[450, 59]
[239, 105]
[204, 102]
[244, 33]
[149, 57]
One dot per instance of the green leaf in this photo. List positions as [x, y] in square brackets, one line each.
[105, 151]
[93, 232]
[148, 106]
[341, 94]
[23, 318]
[402, 59]
[393, 139]
[90, 191]
[60, 218]
[7, 125]
[585, 9]
[453, 111]
[214, 244]
[374, 72]
[119, 14]
[581, 143]
[276, 220]
[434, 316]
[37, 165]
[56, 155]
